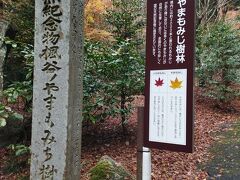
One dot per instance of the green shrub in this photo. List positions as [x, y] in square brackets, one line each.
[18, 159]
[19, 149]
[218, 58]
[7, 114]
[112, 76]
[114, 72]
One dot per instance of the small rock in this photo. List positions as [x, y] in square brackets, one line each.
[109, 169]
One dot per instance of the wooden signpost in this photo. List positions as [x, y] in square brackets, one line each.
[168, 121]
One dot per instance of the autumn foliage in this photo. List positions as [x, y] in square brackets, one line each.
[95, 27]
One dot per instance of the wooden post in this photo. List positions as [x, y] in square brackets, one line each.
[140, 117]
[143, 153]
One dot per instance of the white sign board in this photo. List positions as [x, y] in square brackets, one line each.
[167, 121]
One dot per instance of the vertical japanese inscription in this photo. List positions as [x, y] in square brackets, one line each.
[51, 23]
[169, 38]
[56, 133]
[181, 22]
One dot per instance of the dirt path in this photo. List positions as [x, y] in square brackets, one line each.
[226, 151]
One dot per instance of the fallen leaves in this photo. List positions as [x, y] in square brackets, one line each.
[107, 139]
[165, 164]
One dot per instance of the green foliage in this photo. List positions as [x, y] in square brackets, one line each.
[17, 89]
[235, 3]
[95, 105]
[19, 149]
[3, 116]
[18, 67]
[7, 114]
[18, 159]
[109, 75]
[114, 72]
[125, 18]
[126, 72]
[218, 56]
[21, 85]
[126, 65]
[21, 15]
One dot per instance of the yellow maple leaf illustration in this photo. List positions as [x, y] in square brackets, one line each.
[176, 84]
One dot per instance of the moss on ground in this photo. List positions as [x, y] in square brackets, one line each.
[108, 169]
[102, 171]
[226, 152]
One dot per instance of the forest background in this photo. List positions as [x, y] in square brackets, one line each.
[114, 65]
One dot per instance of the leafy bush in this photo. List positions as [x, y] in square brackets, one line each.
[7, 114]
[125, 19]
[19, 89]
[21, 15]
[218, 56]
[114, 72]
[112, 77]
[18, 66]
[96, 107]
[18, 159]
[18, 81]
[19, 149]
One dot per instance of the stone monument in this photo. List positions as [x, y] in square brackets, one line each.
[57, 93]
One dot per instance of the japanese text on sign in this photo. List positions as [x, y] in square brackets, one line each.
[52, 14]
[169, 75]
[181, 21]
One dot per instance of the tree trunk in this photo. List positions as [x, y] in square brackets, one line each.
[222, 6]
[123, 115]
[4, 26]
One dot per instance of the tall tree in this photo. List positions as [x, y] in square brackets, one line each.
[212, 10]
[94, 20]
[126, 21]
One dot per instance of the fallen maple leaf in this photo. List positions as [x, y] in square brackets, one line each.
[176, 84]
[159, 82]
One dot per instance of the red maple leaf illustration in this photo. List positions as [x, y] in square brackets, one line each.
[159, 82]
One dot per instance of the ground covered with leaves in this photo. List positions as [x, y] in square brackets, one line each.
[226, 165]
[107, 138]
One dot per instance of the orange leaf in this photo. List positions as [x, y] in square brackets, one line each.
[176, 84]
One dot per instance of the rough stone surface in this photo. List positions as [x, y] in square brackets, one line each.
[107, 168]
[57, 93]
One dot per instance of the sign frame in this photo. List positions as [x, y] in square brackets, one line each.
[152, 65]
